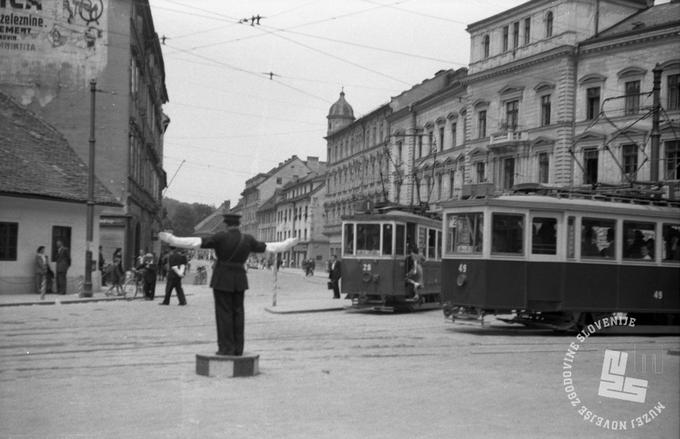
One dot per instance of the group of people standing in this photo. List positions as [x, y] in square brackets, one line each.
[44, 276]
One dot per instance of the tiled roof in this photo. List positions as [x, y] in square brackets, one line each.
[654, 17]
[37, 161]
[210, 224]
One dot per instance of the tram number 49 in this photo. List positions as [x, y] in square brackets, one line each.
[462, 268]
[658, 294]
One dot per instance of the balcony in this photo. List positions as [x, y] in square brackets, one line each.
[507, 141]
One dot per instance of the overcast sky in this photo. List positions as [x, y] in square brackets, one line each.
[230, 121]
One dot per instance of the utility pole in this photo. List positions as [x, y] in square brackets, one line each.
[87, 285]
[656, 134]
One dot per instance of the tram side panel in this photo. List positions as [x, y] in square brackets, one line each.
[372, 277]
[545, 282]
[652, 289]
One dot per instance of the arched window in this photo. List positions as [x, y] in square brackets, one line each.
[549, 24]
[485, 43]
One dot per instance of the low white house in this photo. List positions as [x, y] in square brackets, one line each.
[43, 198]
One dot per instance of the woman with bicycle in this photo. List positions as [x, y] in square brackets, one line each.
[117, 277]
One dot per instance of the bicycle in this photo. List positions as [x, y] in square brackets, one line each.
[133, 284]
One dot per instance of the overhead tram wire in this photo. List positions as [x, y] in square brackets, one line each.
[250, 72]
[364, 46]
[238, 113]
[385, 75]
[310, 23]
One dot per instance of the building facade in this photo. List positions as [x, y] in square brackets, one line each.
[615, 110]
[521, 91]
[47, 65]
[358, 164]
[260, 189]
[43, 199]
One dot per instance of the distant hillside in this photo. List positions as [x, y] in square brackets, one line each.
[182, 217]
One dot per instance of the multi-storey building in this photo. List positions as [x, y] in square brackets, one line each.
[523, 88]
[47, 63]
[427, 143]
[358, 163]
[614, 110]
[299, 213]
[261, 188]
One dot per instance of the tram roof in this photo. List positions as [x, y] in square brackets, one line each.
[544, 202]
[394, 215]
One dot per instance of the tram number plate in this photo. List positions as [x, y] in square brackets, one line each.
[367, 267]
[658, 294]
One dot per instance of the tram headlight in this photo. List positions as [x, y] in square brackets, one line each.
[461, 279]
[366, 277]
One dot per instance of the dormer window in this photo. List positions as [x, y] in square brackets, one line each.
[549, 24]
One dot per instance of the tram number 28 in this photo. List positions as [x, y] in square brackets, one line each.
[366, 267]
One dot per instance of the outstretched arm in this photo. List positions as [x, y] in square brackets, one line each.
[176, 241]
[282, 246]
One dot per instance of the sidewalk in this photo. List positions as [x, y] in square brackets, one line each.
[318, 300]
[57, 299]
[298, 300]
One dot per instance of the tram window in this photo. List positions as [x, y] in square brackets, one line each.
[464, 232]
[431, 243]
[597, 238]
[639, 240]
[507, 233]
[671, 242]
[387, 239]
[544, 236]
[400, 240]
[368, 239]
[349, 239]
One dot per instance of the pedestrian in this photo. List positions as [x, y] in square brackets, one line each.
[116, 275]
[149, 276]
[229, 280]
[163, 265]
[178, 265]
[63, 262]
[102, 264]
[334, 274]
[41, 267]
[414, 274]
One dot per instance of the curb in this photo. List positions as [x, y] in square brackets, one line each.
[302, 311]
[70, 301]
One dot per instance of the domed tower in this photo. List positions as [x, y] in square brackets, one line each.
[340, 114]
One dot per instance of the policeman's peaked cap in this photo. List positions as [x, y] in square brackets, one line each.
[232, 219]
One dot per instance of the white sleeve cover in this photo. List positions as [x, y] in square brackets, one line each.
[281, 246]
[180, 242]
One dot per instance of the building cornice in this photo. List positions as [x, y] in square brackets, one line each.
[505, 69]
[596, 45]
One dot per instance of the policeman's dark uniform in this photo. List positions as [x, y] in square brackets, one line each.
[229, 282]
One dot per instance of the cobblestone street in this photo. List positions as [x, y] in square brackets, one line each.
[126, 369]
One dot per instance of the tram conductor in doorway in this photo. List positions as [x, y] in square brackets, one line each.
[334, 274]
[229, 280]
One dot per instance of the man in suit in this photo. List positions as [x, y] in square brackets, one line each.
[178, 264]
[229, 280]
[63, 262]
[335, 273]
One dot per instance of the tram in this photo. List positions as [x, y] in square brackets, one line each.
[375, 249]
[561, 262]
